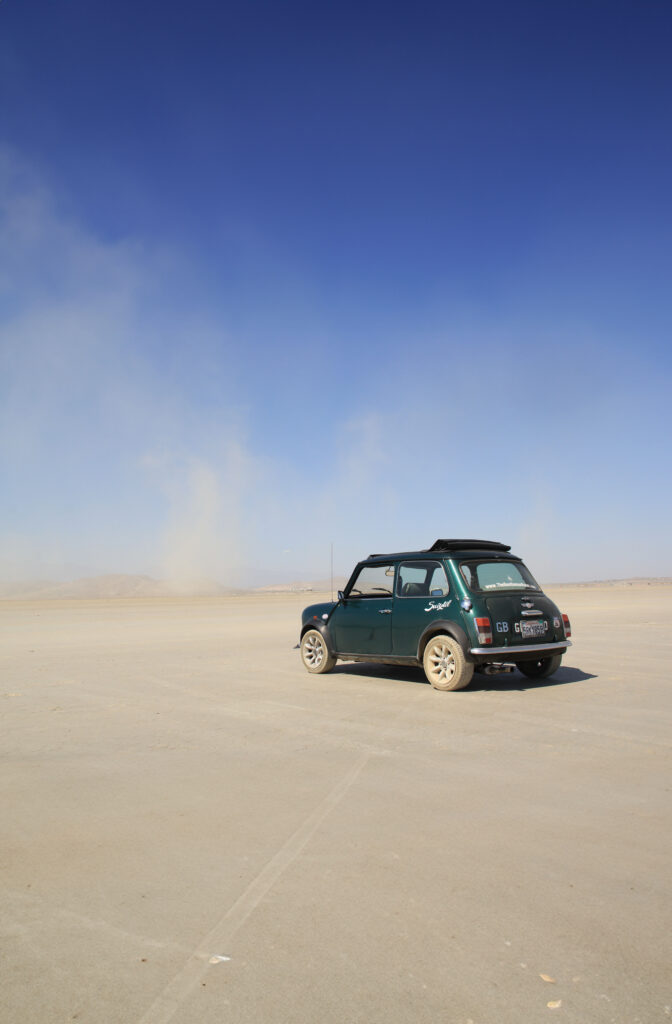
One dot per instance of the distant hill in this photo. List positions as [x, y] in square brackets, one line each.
[300, 586]
[126, 585]
[110, 586]
[119, 585]
[634, 581]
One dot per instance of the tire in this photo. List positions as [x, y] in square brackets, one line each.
[541, 669]
[315, 654]
[445, 665]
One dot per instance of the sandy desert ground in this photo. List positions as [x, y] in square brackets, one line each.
[198, 831]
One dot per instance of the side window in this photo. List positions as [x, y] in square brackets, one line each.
[467, 574]
[422, 579]
[438, 584]
[373, 581]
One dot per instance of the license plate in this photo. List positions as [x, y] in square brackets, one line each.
[529, 629]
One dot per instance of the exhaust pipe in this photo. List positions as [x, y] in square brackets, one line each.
[493, 668]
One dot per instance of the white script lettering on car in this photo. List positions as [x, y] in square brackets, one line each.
[433, 607]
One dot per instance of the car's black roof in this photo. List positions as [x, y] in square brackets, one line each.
[463, 548]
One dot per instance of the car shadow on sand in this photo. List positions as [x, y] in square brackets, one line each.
[502, 681]
[517, 681]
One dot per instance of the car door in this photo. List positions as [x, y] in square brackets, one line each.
[362, 622]
[421, 594]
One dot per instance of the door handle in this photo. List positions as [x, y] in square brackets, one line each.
[384, 611]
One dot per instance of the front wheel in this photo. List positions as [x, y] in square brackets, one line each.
[541, 669]
[315, 653]
[445, 665]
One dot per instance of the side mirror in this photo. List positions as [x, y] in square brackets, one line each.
[341, 596]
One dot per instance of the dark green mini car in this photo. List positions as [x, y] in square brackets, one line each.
[460, 605]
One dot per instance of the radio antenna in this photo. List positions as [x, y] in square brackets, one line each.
[332, 571]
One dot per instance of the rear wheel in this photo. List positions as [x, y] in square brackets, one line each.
[445, 665]
[541, 669]
[314, 652]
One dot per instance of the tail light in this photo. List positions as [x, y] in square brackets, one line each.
[568, 628]
[484, 627]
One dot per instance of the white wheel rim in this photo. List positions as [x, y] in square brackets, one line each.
[313, 651]
[441, 663]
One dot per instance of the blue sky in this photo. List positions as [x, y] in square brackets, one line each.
[277, 276]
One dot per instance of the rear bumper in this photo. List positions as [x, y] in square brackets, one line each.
[519, 650]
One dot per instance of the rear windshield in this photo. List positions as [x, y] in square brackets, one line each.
[488, 576]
